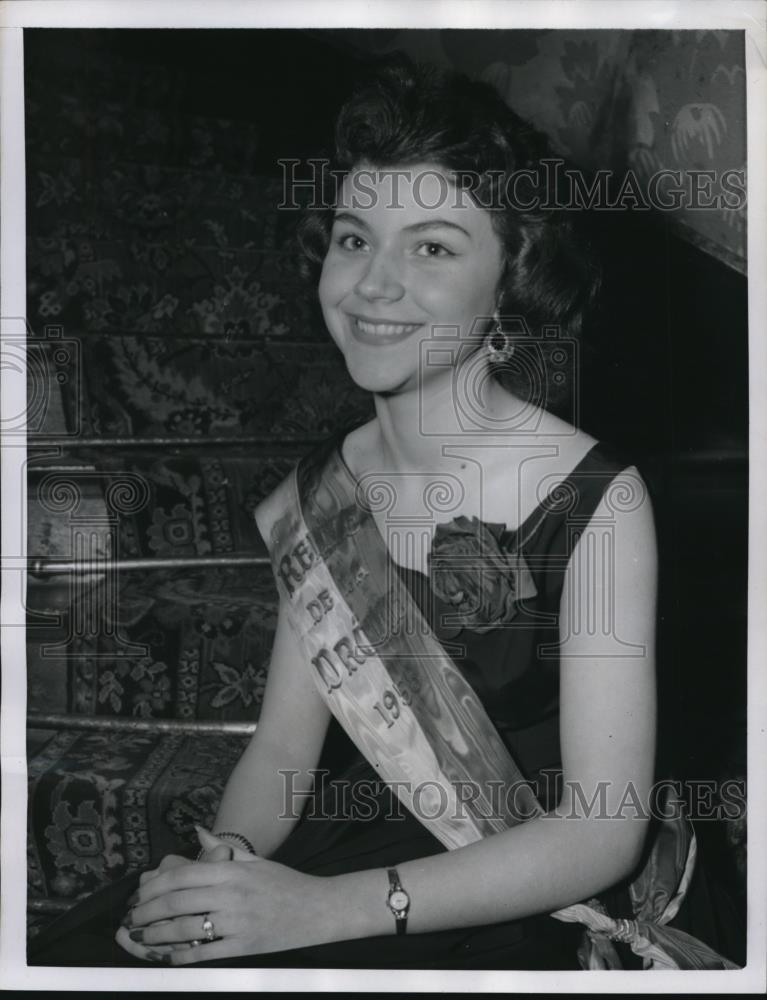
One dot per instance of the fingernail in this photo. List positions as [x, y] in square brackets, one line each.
[132, 900]
[156, 956]
[137, 935]
[127, 920]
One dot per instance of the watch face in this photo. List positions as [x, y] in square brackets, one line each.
[399, 900]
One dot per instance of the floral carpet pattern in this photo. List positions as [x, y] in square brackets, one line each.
[104, 803]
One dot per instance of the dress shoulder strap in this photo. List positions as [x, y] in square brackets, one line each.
[569, 506]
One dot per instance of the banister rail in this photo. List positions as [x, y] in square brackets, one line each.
[264, 441]
[192, 727]
[54, 567]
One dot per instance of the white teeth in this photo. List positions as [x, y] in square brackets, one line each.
[389, 329]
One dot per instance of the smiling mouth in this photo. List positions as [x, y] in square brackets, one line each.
[375, 329]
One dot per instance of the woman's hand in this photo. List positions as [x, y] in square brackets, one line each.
[168, 862]
[222, 852]
[255, 906]
[214, 850]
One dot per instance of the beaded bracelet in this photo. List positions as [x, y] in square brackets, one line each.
[238, 838]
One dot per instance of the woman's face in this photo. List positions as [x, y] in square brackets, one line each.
[408, 252]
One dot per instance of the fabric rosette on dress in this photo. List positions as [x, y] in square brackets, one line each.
[476, 575]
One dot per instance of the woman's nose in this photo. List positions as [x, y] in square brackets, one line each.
[380, 279]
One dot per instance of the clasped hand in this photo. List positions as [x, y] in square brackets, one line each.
[255, 906]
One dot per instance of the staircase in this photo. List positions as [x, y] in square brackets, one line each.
[178, 369]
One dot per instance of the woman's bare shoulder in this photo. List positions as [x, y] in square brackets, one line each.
[360, 446]
[568, 442]
[555, 451]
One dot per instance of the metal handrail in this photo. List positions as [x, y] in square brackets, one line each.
[53, 906]
[52, 567]
[277, 445]
[193, 727]
[267, 441]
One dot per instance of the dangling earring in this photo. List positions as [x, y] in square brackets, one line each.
[498, 343]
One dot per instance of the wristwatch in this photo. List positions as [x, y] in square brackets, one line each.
[398, 901]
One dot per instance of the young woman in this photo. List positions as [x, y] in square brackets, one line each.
[467, 593]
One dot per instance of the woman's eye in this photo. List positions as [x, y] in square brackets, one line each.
[433, 250]
[350, 241]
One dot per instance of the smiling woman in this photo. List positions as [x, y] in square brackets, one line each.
[404, 267]
[467, 590]
[455, 157]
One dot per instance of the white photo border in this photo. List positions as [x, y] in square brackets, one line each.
[742, 15]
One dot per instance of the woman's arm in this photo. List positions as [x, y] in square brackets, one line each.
[607, 696]
[290, 734]
[262, 799]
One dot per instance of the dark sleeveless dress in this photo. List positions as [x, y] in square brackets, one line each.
[515, 673]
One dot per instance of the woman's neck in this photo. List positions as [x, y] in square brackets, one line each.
[414, 426]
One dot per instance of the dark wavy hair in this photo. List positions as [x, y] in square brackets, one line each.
[408, 113]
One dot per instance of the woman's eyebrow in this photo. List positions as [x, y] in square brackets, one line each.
[350, 217]
[415, 227]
